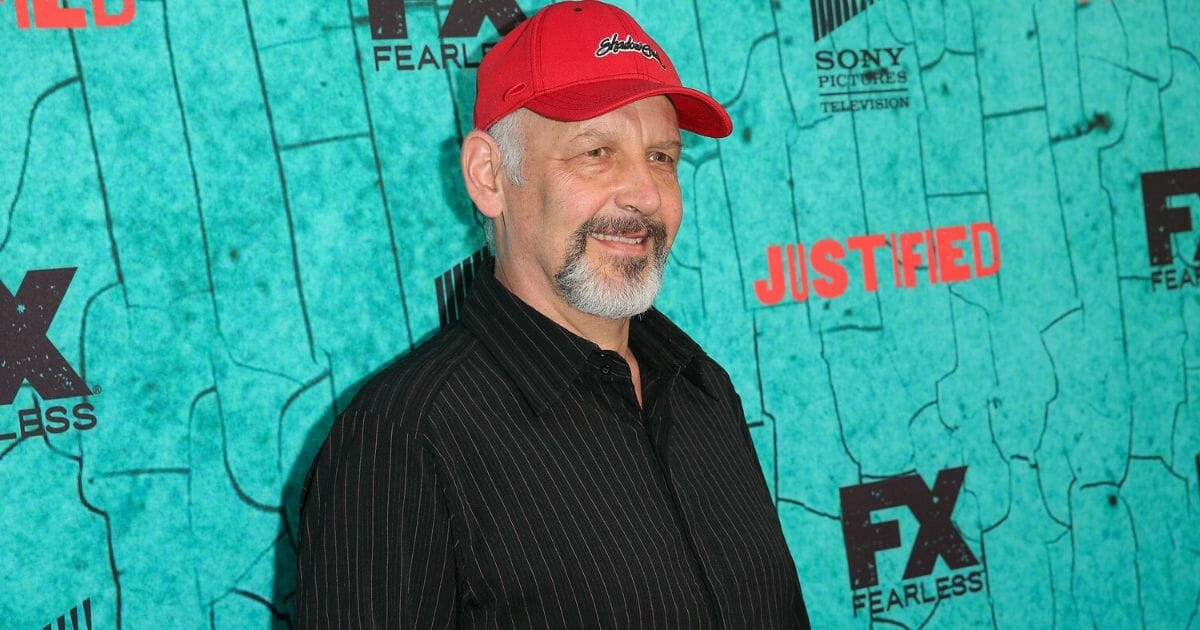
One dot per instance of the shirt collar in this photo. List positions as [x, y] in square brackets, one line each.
[543, 358]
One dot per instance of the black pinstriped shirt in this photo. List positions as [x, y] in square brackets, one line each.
[502, 475]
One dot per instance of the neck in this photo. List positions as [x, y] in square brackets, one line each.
[609, 334]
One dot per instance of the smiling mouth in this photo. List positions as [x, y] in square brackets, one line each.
[617, 238]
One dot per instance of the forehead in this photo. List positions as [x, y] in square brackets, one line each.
[649, 120]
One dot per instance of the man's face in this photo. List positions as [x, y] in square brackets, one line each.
[599, 210]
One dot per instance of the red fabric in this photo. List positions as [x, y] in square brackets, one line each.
[577, 60]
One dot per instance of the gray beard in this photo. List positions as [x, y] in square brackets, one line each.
[589, 290]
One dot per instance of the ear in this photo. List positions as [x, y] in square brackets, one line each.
[482, 173]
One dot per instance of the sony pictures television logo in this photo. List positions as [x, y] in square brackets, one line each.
[27, 354]
[855, 79]
[463, 21]
[937, 537]
[1174, 245]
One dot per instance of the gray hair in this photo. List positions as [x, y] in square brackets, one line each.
[509, 134]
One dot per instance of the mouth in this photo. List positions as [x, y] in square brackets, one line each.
[622, 239]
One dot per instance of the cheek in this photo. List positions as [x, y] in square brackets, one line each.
[671, 211]
[562, 212]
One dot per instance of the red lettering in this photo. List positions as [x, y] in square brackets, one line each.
[825, 253]
[48, 14]
[910, 258]
[895, 260]
[770, 292]
[866, 246]
[942, 249]
[796, 255]
[949, 253]
[102, 19]
[22, 7]
[933, 270]
[980, 228]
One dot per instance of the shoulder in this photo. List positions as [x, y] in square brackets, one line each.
[655, 332]
[402, 394]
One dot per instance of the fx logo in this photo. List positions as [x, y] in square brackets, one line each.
[1162, 219]
[47, 14]
[388, 18]
[937, 535]
[25, 351]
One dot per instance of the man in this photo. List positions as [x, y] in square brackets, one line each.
[564, 457]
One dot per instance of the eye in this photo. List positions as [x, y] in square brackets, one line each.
[659, 156]
[597, 152]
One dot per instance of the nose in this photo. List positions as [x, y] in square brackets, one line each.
[638, 188]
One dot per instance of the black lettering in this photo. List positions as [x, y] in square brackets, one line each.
[870, 57]
[450, 54]
[28, 354]
[403, 52]
[427, 58]
[926, 598]
[943, 587]
[380, 58]
[894, 53]
[85, 417]
[910, 593]
[894, 600]
[976, 580]
[824, 60]
[466, 17]
[1161, 220]
[858, 601]
[56, 420]
[387, 19]
[958, 585]
[483, 52]
[864, 538]
[937, 535]
[30, 422]
[841, 58]
[875, 598]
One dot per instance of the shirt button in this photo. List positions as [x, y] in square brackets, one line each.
[604, 370]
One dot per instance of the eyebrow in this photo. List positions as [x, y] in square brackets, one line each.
[603, 135]
[590, 133]
[668, 144]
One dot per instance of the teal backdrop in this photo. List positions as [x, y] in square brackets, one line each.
[262, 204]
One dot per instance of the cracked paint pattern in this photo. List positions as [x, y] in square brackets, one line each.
[258, 216]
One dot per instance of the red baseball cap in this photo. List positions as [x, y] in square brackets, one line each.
[578, 60]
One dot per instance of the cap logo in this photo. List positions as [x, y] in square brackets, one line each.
[613, 45]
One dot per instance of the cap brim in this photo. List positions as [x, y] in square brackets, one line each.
[697, 111]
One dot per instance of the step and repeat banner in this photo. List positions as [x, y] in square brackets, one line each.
[949, 256]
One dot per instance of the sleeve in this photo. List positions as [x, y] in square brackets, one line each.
[797, 607]
[376, 548]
